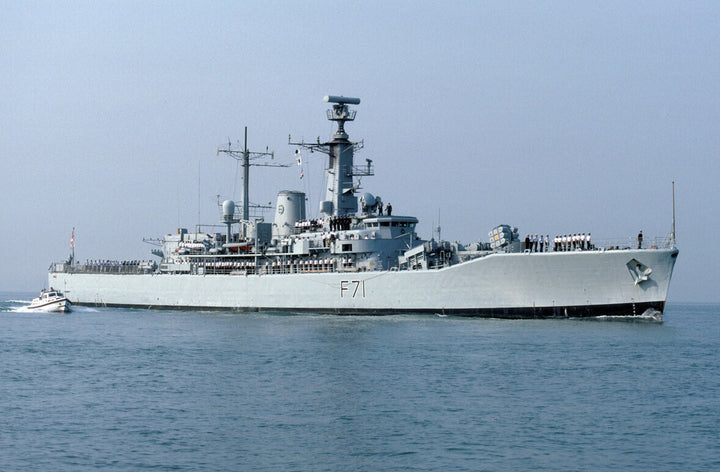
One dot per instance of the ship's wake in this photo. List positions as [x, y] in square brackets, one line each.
[650, 315]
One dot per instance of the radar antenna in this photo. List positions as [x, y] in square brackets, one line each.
[340, 112]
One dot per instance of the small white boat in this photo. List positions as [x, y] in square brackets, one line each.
[50, 301]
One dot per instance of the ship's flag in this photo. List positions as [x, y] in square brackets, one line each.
[302, 174]
[72, 239]
[298, 157]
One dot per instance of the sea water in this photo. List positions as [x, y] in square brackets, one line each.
[118, 389]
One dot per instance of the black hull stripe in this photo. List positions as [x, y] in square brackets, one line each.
[579, 311]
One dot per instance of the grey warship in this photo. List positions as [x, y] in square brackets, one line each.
[355, 258]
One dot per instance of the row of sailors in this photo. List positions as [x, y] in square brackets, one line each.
[189, 245]
[278, 267]
[115, 266]
[572, 242]
[334, 223]
[107, 263]
[307, 225]
[566, 242]
[342, 223]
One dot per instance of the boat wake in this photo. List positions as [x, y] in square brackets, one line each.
[14, 305]
[27, 309]
[20, 309]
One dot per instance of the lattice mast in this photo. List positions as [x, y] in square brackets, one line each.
[245, 156]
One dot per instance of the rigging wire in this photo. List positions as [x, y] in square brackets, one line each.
[235, 180]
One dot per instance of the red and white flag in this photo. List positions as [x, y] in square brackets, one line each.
[72, 239]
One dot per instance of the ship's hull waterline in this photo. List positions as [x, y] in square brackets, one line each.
[516, 285]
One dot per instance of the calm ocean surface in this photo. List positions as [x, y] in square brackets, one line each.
[115, 389]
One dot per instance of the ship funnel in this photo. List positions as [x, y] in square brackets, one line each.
[290, 208]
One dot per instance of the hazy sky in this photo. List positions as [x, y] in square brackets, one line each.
[554, 117]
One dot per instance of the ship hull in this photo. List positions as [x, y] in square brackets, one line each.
[537, 285]
[55, 306]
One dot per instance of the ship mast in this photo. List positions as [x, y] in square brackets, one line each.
[340, 199]
[245, 156]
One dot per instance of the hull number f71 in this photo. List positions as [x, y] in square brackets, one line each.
[352, 288]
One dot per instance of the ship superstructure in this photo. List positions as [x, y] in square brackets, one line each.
[357, 257]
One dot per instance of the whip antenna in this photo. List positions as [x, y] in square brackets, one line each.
[673, 219]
